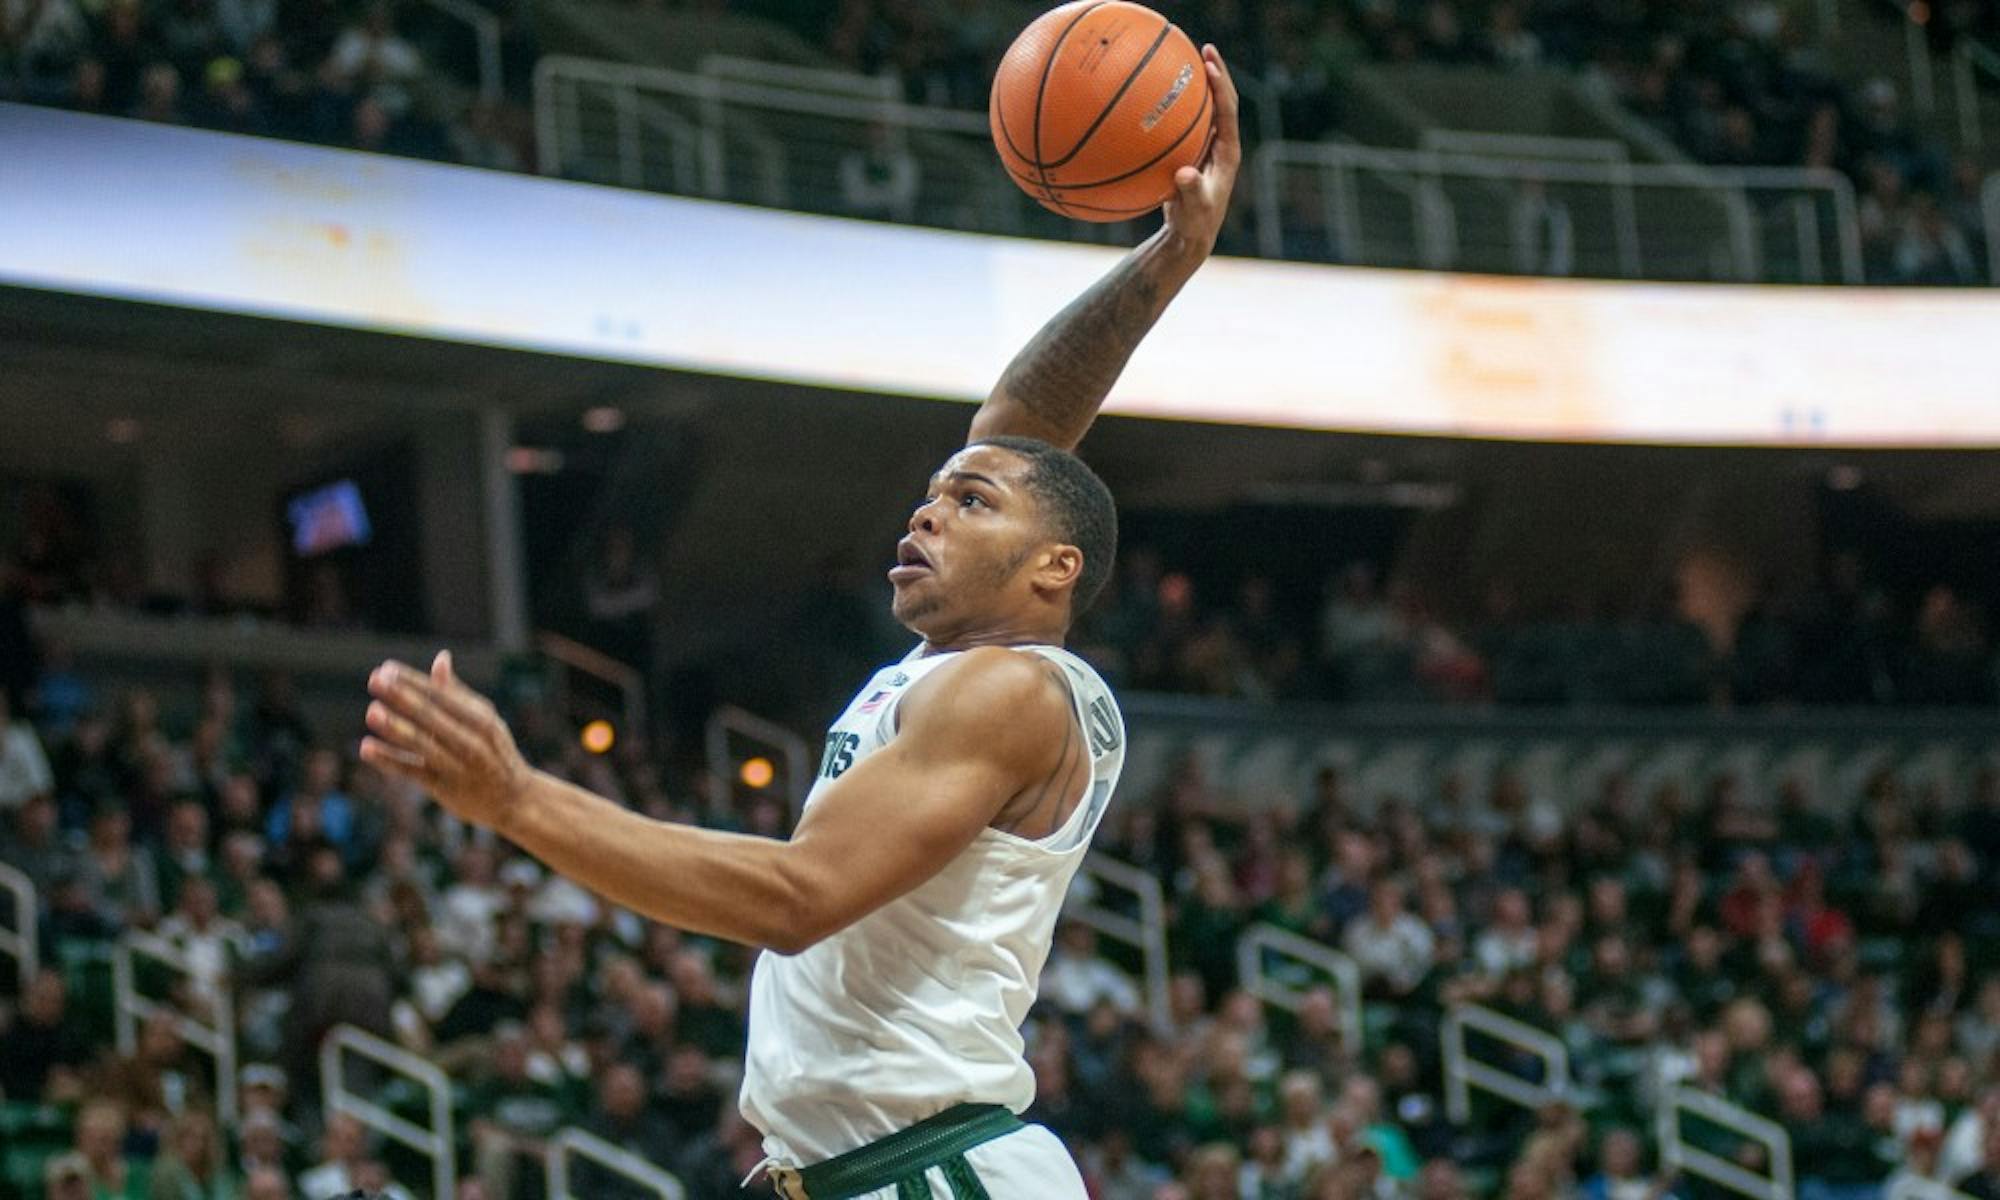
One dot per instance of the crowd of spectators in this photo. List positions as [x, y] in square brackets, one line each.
[1835, 970]
[1361, 640]
[1734, 82]
[358, 73]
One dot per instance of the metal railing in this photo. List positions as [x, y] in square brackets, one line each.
[21, 942]
[777, 135]
[1677, 1154]
[217, 1040]
[1462, 1072]
[730, 722]
[1905, 1186]
[437, 1142]
[575, 658]
[1450, 209]
[1305, 965]
[580, 1144]
[1145, 933]
[485, 35]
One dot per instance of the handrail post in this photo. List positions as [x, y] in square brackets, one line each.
[1677, 1154]
[23, 940]
[437, 1142]
[799, 762]
[615, 1159]
[1147, 933]
[1263, 939]
[1462, 1072]
[217, 1040]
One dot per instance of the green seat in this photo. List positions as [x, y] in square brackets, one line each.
[21, 1168]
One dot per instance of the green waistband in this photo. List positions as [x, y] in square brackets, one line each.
[926, 1144]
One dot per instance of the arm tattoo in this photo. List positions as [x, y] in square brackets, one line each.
[1063, 374]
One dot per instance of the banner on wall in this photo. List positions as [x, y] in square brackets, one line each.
[245, 225]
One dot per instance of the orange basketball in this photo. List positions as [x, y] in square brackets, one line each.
[1096, 105]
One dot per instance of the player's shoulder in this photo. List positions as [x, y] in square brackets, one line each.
[1001, 689]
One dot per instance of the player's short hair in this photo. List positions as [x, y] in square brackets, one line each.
[1079, 507]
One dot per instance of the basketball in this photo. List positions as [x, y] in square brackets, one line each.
[1096, 105]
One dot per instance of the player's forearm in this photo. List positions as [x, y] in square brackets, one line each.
[720, 884]
[1054, 386]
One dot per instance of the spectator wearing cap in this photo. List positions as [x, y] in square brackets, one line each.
[261, 1144]
[46, 1054]
[66, 1177]
[263, 1087]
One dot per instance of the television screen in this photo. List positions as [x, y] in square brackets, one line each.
[328, 518]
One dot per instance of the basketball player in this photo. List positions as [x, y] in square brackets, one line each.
[909, 915]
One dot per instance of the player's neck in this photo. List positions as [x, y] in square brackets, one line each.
[1005, 636]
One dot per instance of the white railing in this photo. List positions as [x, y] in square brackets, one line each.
[730, 722]
[485, 34]
[217, 1040]
[21, 941]
[1904, 1186]
[1146, 933]
[435, 1142]
[576, 1142]
[773, 134]
[1462, 1072]
[1311, 964]
[1989, 200]
[1677, 1154]
[575, 658]
[1474, 204]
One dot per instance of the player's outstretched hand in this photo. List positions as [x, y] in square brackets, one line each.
[1201, 196]
[437, 732]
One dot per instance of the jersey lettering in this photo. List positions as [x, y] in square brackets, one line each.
[1103, 727]
[839, 754]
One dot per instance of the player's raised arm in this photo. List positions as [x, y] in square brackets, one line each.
[1054, 386]
[894, 820]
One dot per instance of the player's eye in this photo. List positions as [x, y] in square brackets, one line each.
[973, 498]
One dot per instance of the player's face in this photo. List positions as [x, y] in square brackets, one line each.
[967, 554]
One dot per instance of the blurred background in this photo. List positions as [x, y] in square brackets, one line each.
[1563, 758]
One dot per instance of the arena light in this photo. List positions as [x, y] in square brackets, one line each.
[757, 772]
[598, 737]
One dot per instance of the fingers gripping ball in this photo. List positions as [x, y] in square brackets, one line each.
[1096, 105]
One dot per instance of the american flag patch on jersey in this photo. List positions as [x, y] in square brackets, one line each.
[873, 702]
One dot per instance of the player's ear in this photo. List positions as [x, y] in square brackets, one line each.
[1061, 567]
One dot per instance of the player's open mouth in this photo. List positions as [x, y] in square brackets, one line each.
[910, 562]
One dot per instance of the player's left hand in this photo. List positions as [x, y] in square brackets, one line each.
[440, 734]
[1201, 196]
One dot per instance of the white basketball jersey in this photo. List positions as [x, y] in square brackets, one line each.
[918, 1006]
